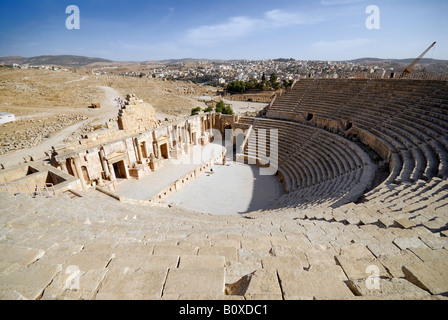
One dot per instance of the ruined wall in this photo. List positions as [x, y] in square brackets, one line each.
[136, 116]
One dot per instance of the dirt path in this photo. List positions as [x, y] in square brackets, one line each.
[109, 110]
[38, 152]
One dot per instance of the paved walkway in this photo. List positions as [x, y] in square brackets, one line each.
[172, 171]
[232, 189]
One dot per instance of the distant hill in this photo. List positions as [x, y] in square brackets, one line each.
[53, 60]
[370, 61]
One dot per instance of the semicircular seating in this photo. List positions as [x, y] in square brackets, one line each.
[404, 121]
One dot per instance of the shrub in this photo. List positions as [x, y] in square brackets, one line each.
[195, 111]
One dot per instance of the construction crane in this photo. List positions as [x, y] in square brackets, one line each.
[412, 65]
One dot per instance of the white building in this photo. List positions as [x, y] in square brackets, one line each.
[6, 117]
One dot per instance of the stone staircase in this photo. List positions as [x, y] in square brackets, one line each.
[95, 247]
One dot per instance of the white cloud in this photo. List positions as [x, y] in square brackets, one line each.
[237, 27]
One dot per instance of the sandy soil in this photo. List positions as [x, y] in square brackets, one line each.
[38, 97]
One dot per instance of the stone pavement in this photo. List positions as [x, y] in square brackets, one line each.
[96, 247]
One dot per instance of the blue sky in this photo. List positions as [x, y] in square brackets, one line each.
[139, 30]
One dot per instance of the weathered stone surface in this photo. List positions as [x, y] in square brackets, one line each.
[87, 261]
[284, 262]
[125, 283]
[175, 250]
[20, 255]
[195, 281]
[430, 276]
[387, 288]
[405, 243]
[262, 245]
[133, 249]
[330, 269]
[405, 223]
[262, 282]
[356, 251]
[435, 242]
[395, 262]
[361, 268]
[319, 254]
[236, 270]
[428, 255]
[379, 248]
[145, 261]
[72, 284]
[202, 261]
[230, 253]
[300, 284]
[30, 282]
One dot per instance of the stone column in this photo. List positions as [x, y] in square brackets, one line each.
[104, 163]
[139, 151]
[77, 167]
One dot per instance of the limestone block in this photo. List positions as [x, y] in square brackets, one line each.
[144, 261]
[428, 255]
[175, 250]
[386, 288]
[28, 283]
[405, 243]
[104, 246]
[70, 284]
[256, 245]
[356, 251]
[139, 283]
[430, 276]
[404, 223]
[284, 262]
[61, 253]
[202, 261]
[330, 269]
[133, 249]
[201, 297]
[230, 253]
[87, 261]
[236, 270]
[259, 283]
[361, 268]
[379, 248]
[319, 254]
[278, 251]
[387, 222]
[395, 262]
[195, 281]
[300, 284]
[435, 242]
[20, 255]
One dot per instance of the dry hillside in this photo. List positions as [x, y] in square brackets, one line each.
[45, 102]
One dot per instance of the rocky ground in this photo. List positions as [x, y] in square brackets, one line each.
[29, 133]
[47, 102]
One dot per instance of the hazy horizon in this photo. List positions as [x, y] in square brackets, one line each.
[321, 30]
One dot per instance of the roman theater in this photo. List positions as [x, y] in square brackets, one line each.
[336, 190]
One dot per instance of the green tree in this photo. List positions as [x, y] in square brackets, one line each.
[220, 106]
[208, 109]
[228, 110]
[195, 111]
[273, 79]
